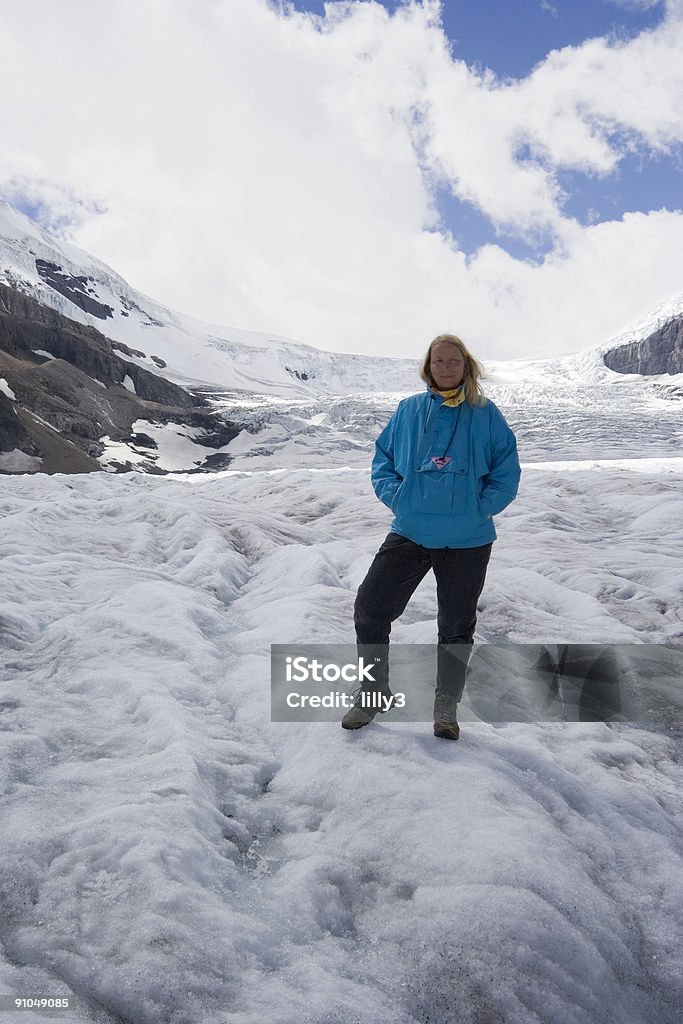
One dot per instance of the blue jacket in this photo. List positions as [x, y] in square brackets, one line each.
[449, 503]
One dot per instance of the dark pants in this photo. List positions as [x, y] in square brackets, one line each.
[397, 569]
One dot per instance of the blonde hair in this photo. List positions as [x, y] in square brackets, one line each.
[474, 393]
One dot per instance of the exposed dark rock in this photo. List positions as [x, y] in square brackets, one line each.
[144, 441]
[120, 347]
[72, 402]
[217, 432]
[13, 433]
[212, 463]
[79, 290]
[661, 352]
[128, 467]
[299, 374]
[148, 320]
[58, 455]
[157, 389]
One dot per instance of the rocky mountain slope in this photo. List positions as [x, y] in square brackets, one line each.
[65, 388]
[659, 352]
[651, 346]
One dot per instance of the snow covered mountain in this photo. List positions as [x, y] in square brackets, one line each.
[181, 348]
[94, 374]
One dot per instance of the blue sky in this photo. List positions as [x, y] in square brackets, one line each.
[510, 38]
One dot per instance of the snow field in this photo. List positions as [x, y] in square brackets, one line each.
[169, 855]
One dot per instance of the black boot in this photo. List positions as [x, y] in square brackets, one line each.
[369, 701]
[445, 716]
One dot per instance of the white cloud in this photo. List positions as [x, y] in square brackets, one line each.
[566, 112]
[272, 171]
[635, 5]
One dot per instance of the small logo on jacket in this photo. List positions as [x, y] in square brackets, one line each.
[441, 460]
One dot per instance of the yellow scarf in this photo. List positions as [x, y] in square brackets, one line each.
[453, 397]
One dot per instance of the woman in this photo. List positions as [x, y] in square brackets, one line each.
[445, 464]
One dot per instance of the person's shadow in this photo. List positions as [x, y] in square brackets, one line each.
[544, 683]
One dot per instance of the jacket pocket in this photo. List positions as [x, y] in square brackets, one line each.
[482, 507]
[397, 496]
[440, 493]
